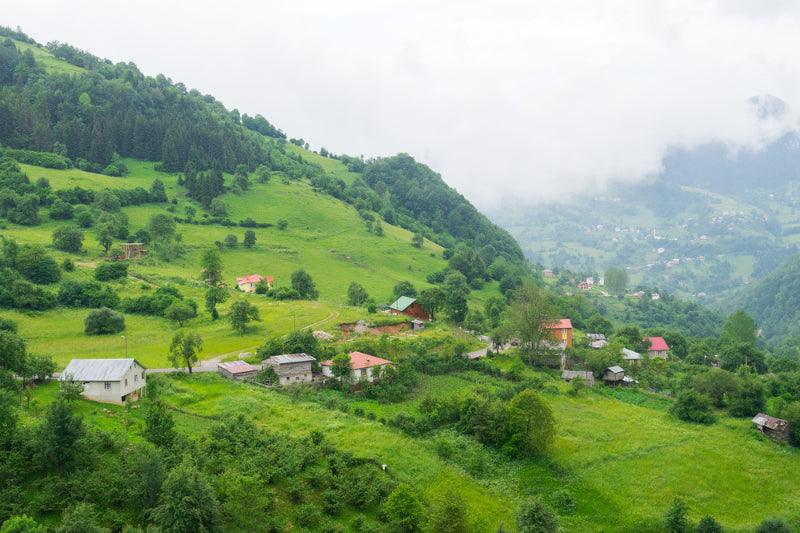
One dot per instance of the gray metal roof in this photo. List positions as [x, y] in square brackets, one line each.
[616, 369]
[289, 358]
[237, 367]
[770, 422]
[630, 354]
[98, 369]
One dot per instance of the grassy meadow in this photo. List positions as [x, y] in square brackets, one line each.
[325, 237]
[618, 455]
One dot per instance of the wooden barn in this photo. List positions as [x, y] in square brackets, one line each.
[587, 377]
[409, 307]
[131, 250]
[775, 428]
[237, 370]
[614, 375]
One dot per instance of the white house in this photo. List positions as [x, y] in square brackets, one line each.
[107, 380]
[364, 366]
[250, 283]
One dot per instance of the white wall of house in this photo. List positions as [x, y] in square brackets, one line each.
[114, 391]
[369, 373]
[247, 287]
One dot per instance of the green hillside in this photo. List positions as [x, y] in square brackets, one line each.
[325, 236]
[616, 465]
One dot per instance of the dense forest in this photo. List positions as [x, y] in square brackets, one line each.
[775, 300]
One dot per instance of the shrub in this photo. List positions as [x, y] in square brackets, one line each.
[535, 516]
[231, 240]
[692, 406]
[61, 210]
[676, 520]
[91, 294]
[708, 524]
[67, 265]
[37, 266]
[103, 321]
[110, 271]
[283, 224]
[773, 525]
[68, 239]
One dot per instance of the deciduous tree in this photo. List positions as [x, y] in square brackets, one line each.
[184, 349]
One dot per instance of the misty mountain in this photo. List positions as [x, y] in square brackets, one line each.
[710, 223]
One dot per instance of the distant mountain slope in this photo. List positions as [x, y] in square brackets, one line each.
[713, 167]
[774, 301]
[708, 225]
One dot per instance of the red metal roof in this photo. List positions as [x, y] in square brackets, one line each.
[563, 323]
[360, 360]
[658, 344]
[253, 278]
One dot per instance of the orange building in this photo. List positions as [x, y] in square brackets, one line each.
[561, 331]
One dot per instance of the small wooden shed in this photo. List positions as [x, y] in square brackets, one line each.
[775, 428]
[132, 250]
[614, 375]
[569, 375]
[237, 370]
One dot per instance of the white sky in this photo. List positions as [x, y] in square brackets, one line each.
[524, 100]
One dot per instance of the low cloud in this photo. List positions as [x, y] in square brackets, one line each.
[521, 100]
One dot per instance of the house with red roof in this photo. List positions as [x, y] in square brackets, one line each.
[561, 331]
[364, 366]
[249, 283]
[658, 347]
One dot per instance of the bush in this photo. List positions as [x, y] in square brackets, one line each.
[692, 406]
[61, 210]
[773, 525]
[283, 224]
[110, 271]
[68, 239]
[535, 516]
[37, 266]
[103, 321]
[91, 294]
[67, 265]
[231, 240]
[708, 524]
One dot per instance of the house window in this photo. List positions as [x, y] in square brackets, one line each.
[126, 382]
[107, 385]
[135, 378]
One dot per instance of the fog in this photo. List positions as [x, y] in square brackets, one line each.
[507, 100]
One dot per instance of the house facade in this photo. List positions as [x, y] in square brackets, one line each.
[409, 307]
[237, 370]
[614, 375]
[292, 368]
[561, 332]
[364, 367]
[658, 348]
[108, 380]
[249, 283]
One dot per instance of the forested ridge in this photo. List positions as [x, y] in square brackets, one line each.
[112, 110]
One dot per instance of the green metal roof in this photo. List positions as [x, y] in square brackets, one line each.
[402, 303]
